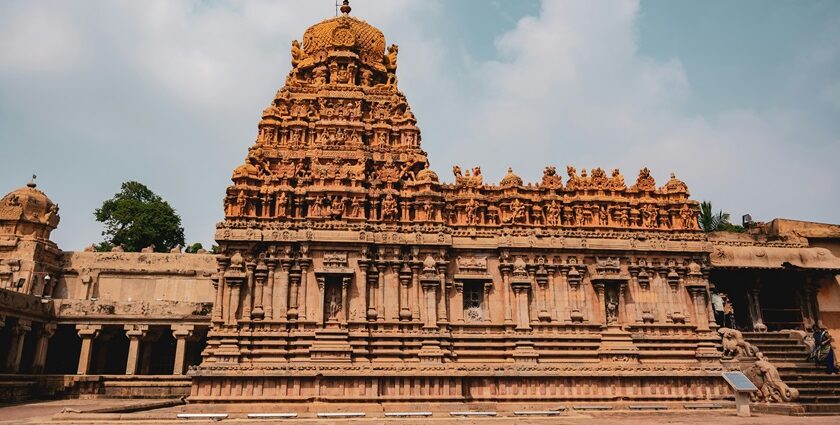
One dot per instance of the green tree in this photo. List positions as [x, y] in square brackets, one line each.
[716, 222]
[136, 218]
[192, 249]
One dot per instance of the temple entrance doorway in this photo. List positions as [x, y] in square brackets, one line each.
[760, 300]
[63, 351]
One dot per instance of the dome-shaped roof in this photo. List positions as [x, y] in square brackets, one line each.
[427, 175]
[511, 179]
[675, 185]
[345, 32]
[29, 204]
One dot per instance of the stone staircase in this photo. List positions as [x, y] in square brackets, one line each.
[819, 393]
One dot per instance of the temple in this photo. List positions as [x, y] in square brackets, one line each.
[350, 272]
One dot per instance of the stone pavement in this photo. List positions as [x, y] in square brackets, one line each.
[48, 412]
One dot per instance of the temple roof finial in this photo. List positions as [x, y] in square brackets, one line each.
[345, 7]
[32, 182]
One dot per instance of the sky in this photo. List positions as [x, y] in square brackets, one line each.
[740, 99]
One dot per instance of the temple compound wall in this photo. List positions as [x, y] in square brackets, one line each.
[349, 272]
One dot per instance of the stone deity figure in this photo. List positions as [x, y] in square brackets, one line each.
[517, 211]
[389, 208]
[281, 205]
[553, 213]
[297, 53]
[472, 212]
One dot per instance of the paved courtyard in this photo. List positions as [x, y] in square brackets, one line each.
[72, 412]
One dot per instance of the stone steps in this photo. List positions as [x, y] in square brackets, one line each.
[819, 393]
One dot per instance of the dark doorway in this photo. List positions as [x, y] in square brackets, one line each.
[160, 353]
[63, 351]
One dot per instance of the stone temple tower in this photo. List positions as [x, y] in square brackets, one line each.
[350, 272]
[29, 260]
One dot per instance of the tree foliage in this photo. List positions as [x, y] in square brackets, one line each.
[136, 218]
[192, 249]
[716, 222]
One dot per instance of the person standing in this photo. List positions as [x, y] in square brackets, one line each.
[823, 351]
[717, 306]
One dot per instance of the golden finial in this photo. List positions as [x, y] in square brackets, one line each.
[345, 7]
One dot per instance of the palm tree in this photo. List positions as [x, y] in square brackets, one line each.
[711, 222]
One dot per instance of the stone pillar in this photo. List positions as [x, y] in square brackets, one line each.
[456, 307]
[520, 291]
[431, 304]
[441, 295]
[260, 275]
[380, 298]
[599, 291]
[415, 292]
[506, 268]
[812, 290]
[134, 333]
[319, 313]
[405, 279]
[233, 300]
[345, 299]
[488, 286]
[87, 333]
[181, 334]
[219, 284]
[283, 290]
[753, 292]
[19, 332]
[40, 360]
[554, 304]
[362, 287]
[304, 283]
[701, 307]
[268, 296]
[542, 284]
[248, 291]
[294, 293]
[372, 279]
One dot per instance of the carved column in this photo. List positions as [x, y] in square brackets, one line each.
[294, 294]
[441, 295]
[40, 360]
[554, 302]
[234, 299]
[600, 292]
[488, 287]
[18, 338]
[268, 296]
[542, 284]
[181, 334]
[675, 297]
[457, 305]
[218, 306]
[248, 291]
[260, 274]
[134, 333]
[302, 300]
[380, 287]
[505, 269]
[362, 284]
[415, 291]
[87, 333]
[812, 290]
[321, 280]
[520, 291]
[283, 289]
[405, 279]
[372, 279]
[574, 279]
[429, 289]
[345, 299]
[753, 292]
[701, 315]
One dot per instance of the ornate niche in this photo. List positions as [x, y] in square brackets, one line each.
[611, 286]
[476, 284]
[334, 278]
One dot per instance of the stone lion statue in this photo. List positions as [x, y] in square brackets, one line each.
[734, 344]
[766, 377]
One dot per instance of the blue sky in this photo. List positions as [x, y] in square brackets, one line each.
[740, 99]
